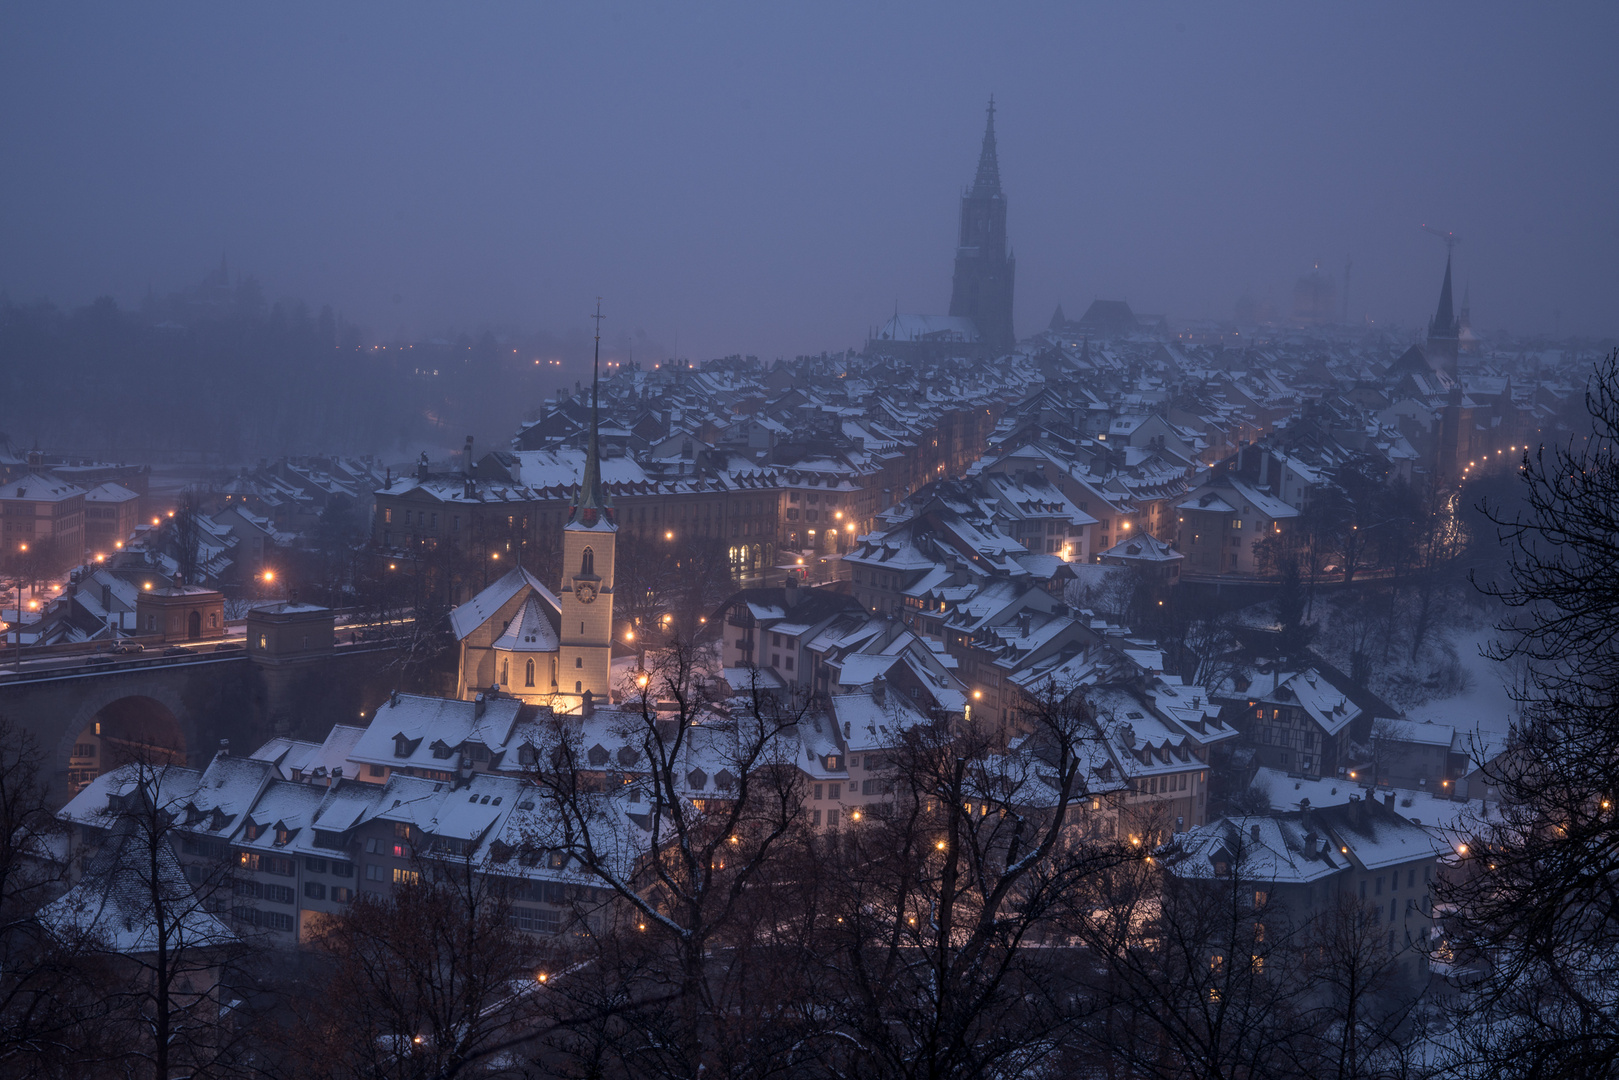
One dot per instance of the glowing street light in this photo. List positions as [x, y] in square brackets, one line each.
[269, 576]
[669, 534]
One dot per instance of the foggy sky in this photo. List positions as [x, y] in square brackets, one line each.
[762, 180]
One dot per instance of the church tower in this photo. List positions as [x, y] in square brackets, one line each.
[585, 599]
[1444, 333]
[982, 287]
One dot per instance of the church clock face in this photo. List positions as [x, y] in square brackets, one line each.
[585, 591]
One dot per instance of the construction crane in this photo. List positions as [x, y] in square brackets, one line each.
[1450, 238]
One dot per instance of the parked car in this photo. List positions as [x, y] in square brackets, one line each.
[229, 646]
[126, 648]
[175, 650]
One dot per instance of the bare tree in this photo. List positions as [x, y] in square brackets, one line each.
[937, 937]
[48, 1004]
[686, 870]
[175, 966]
[431, 980]
[1362, 996]
[1194, 982]
[1534, 891]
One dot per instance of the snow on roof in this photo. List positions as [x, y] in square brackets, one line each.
[113, 903]
[36, 488]
[173, 785]
[531, 631]
[467, 617]
[109, 492]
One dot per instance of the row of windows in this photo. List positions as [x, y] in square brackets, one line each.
[336, 867]
[255, 890]
[267, 920]
[315, 890]
[267, 864]
[400, 875]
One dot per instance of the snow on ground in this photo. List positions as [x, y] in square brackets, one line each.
[1484, 705]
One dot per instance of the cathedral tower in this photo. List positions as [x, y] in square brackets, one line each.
[585, 599]
[982, 287]
[1444, 333]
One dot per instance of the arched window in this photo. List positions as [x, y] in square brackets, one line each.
[529, 674]
[505, 671]
[553, 670]
[587, 565]
[578, 661]
[578, 688]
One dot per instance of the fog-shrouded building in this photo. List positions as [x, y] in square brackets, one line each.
[982, 287]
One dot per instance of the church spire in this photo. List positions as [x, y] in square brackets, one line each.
[593, 502]
[1444, 320]
[988, 180]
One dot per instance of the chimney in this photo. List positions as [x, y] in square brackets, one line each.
[337, 772]
[587, 706]
[466, 461]
[790, 591]
[393, 698]
[478, 705]
[1253, 833]
[1025, 623]
[421, 467]
[879, 690]
[224, 748]
[1388, 799]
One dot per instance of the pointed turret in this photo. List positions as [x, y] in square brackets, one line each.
[1058, 319]
[593, 503]
[988, 180]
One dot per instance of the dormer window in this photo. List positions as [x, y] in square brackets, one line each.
[401, 746]
[251, 831]
[282, 835]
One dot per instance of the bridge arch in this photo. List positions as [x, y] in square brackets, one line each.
[112, 725]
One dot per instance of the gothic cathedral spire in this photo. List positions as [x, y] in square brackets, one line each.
[982, 287]
[1443, 332]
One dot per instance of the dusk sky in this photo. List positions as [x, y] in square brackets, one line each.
[759, 179]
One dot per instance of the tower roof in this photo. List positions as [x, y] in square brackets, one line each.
[593, 507]
[1444, 320]
[988, 180]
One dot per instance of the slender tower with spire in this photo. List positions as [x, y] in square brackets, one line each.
[982, 287]
[1444, 333]
[585, 600]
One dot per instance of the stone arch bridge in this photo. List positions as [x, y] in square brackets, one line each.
[83, 715]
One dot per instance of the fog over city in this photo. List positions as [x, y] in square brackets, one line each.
[770, 181]
[915, 542]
